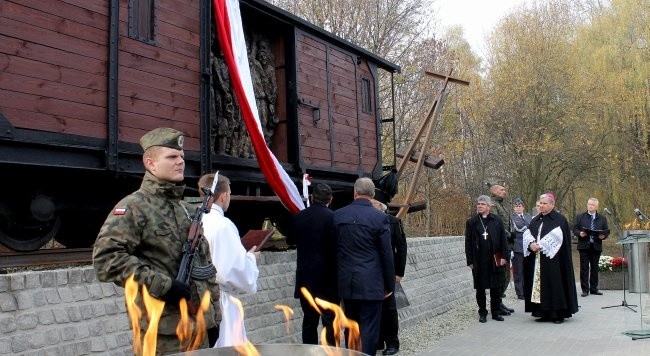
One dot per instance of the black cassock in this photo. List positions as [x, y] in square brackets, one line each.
[480, 251]
[558, 296]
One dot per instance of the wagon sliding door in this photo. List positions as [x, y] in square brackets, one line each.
[336, 131]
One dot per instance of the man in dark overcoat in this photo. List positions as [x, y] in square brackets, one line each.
[365, 262]
[486, 250]
[311, 232]
[389, 330]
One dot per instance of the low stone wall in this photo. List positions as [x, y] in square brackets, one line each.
[68, 312]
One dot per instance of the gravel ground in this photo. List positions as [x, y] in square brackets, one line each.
[425, 335]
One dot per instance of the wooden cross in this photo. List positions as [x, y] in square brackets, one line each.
[427, 124]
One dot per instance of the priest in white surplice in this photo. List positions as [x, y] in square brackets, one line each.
[236, 268]
[549, 284]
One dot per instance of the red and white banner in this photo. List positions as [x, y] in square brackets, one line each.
[231, 40]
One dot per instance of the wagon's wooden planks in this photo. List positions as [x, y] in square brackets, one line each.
[316, 157]
[54, 123]
[179, 34]
[41, 36]
[159, 81]
[51, 72]
[57, 22]
[161, 68]
[187, 18]
[329, 78]
[95, 6]
[71, 12]
[52, 106]
[46, 88]
[180, 47]
[41, 53]
[344, 159]
[313, 136]
[138, 90]
[182, 6]
[159, 54]
[162, 111]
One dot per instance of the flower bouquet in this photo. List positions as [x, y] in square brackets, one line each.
[611, 264]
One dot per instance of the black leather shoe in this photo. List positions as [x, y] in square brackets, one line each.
[506, 308]
[504, 312]
[482, 318]
[390, 351]
[584, 294]
[597, 292]
[542, 320]
[558, 321]
[497, 318]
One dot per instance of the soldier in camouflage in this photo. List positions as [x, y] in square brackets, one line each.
[497, 193]
[144, 235]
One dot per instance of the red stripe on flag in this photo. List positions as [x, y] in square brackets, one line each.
[268, 163]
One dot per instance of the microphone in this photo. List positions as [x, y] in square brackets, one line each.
[639, 214]
[607, 211]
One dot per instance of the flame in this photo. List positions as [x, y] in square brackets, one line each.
[636, 225]
[340, 321]
[154, 310]
[184, 327]
[130, 294]
[245, 347]
[310, 299]
[200, 321]
[288, 313]
[190, 334]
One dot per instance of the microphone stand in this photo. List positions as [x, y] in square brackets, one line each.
[624, 302]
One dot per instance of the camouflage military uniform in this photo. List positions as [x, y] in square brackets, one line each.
[502, 213]
[144, 235]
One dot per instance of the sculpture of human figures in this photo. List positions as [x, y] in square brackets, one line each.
[266, 95]
[228, 131]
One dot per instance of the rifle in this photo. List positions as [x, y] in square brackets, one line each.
[187, 269]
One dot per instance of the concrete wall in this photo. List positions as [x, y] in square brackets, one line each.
[68, 312]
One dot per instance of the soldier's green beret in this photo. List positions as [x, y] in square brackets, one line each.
[163, 136]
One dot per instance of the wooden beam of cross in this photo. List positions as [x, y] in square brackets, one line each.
[427, 124]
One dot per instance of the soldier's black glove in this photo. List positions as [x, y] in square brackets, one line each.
[176, 292]
[213, 335]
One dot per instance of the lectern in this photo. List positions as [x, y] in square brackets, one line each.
[638, 241]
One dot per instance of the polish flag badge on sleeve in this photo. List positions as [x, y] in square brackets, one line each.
[119, 211]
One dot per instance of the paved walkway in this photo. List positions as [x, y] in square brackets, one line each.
[592, 331]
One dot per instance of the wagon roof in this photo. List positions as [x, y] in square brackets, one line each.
[288, 17]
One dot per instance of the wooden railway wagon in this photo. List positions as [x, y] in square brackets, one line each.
[81, 81]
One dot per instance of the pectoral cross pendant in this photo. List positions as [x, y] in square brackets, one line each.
[485, 235]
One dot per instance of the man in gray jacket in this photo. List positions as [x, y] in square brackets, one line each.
[519, 221]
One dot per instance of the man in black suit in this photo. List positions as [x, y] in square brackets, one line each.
[311, 232]
[365, 262]
[389, 330]
[591, 229]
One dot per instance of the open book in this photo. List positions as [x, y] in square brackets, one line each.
[256, 238]
[497, 258]
[595, 232]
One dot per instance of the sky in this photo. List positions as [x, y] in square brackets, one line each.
[477, 17]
